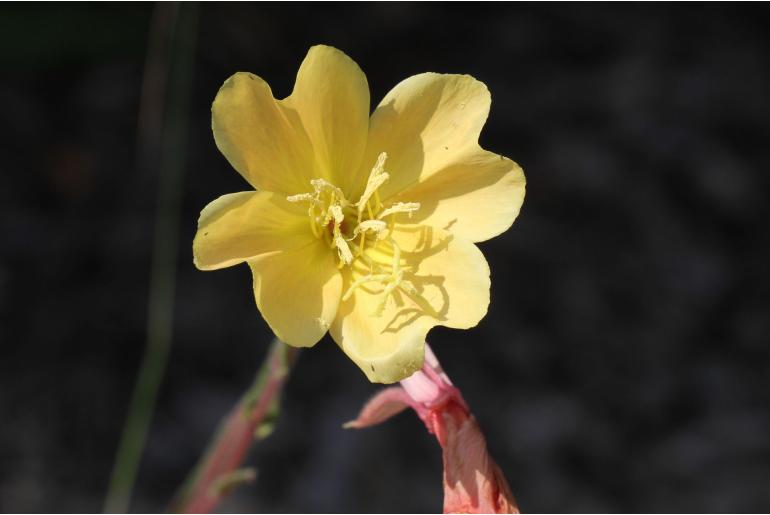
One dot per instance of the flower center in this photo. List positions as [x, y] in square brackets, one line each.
[362, 233]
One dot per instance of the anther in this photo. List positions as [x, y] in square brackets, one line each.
[377, 178]
[399, 207]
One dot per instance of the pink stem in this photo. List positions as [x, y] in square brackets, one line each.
[473, 483]
[218, 471]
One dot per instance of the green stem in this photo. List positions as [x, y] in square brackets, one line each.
[178, 23]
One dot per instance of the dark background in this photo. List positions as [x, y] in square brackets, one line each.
[623, 365]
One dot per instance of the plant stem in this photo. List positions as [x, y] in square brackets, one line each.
[173, 36]
[252, 418]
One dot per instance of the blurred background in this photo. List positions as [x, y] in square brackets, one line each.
[623, 365]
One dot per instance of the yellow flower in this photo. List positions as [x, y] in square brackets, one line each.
[363, 226]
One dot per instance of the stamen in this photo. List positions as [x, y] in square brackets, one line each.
[377, 178]
[346, 256]
[308, 197]
[335, 212]
[321, 185]
[364, 280]
[400, 207]
[313, 225]
[329, 209]
[302, 197]
[375, 226]
[387, 291]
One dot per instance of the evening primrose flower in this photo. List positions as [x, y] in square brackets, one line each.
[362, 226]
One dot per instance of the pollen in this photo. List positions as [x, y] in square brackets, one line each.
[361, 233]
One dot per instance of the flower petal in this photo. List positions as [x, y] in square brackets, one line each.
[298, 292]
[424, 124]
[331, 96]
[451, 280]
[476, 197]
[261, 138]
[239, 226]
[450, 272]
[386, 352]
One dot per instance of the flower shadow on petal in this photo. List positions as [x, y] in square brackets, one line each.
[409, 315]
[425, 286]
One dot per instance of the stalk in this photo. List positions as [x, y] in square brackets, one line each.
[219, 470]
[168, 68]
